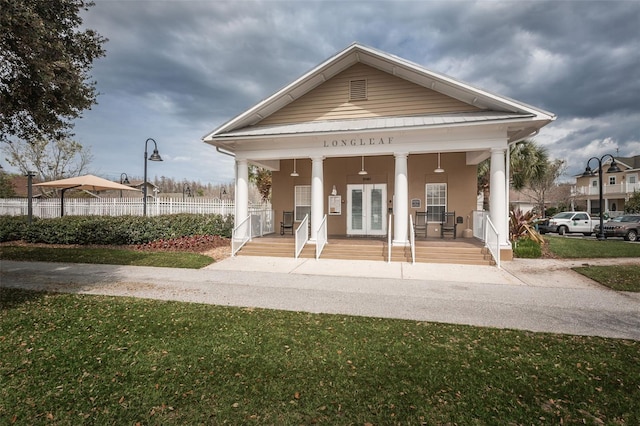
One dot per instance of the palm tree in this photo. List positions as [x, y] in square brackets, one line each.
[528, 162]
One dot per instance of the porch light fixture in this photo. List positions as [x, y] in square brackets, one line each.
[155, 156]
[294, 173]
[439, 169]
[362, 172]
[588, 172]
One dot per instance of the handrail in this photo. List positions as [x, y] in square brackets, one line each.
[389, 223]
[302, 235]
[491, 232]
[237, 241]
[412, 240]
[321, 239]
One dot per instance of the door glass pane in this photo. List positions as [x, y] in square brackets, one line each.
[376, 209]
[356, 209]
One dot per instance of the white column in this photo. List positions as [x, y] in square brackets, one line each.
[401, 201]
[317, 196]
[242, 193]
[498, 195]
[588, 206]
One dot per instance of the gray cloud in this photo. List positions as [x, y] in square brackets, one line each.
[179, 69]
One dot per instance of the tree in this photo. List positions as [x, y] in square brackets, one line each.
[543, 180]
[44, 67]
[50, 160]
[262, 179]
[6, 188]
[633, 205]
[528, 161]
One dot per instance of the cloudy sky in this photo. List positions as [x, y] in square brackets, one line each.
[175, 70]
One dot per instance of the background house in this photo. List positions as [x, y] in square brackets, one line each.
[616, 187]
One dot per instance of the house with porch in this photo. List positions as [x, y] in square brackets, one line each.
[365, 141]
[618, 184]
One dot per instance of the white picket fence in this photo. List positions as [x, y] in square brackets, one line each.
[49, 208]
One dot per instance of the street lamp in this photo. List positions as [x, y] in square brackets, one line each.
[223, 191]
[588, 172]
[124, 180]
[153, 157]
[187, 190]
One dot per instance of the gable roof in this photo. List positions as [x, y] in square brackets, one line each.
[401, 68]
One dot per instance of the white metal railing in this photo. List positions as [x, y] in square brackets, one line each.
[412, 240]
[492, 240]
[241, 235]
[321, 239]
[478, 224]
[261, 222]
[389, 223]
[302, 235]
[619, 188]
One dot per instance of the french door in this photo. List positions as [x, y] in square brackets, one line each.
[366, 209]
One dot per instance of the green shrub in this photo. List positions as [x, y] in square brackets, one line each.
[12, 228]
[124, 230]
[527, 248]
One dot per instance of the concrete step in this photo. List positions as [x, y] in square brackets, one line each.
[373, 250]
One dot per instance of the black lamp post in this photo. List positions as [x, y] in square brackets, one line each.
[588, 172]
[186, 190]
[153, 157]
[124, 180]
[30, 176]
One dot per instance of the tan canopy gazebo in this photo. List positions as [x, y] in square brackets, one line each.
[86, 182]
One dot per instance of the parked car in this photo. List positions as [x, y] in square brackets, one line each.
[627, 227]
[569, 222]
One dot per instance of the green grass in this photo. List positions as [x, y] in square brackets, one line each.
[580, 248]
[105, 256]
[77, 359]
[620, 277]
[527, 249]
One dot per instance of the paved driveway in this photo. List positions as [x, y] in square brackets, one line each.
[543, 296]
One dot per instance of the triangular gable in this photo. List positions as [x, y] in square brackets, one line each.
[401, 68]
[379, 95]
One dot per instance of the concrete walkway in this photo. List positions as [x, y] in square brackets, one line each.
[536, 295]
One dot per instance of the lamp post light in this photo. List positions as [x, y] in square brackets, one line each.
[124, 180]
[153, 157]
[186, 190]
[588, 172]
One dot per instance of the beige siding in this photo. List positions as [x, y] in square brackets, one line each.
[387, 96]
[461, 180]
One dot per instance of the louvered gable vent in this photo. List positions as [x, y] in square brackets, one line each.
[358, 90]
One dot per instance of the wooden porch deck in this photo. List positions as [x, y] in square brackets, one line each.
[430, 250]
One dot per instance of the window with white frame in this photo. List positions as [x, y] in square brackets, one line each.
[594, 183]
[302, 202]
[436, 201]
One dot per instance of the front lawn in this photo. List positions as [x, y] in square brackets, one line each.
[586, 248]
[76, 359]
[619, 277]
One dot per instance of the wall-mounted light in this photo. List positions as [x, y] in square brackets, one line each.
[362, 171]
[294, 173]
[439, 169]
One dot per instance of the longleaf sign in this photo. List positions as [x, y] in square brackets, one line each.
[357, 142]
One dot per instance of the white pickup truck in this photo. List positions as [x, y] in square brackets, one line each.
[570, 222]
